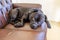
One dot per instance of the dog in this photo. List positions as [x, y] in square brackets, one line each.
[18, 17]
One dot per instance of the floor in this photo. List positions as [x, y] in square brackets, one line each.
[52, 34]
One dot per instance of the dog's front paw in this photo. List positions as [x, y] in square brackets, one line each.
[18, 24]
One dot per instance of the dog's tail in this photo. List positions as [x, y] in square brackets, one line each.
[47, 22]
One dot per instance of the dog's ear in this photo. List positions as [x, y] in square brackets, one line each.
[35, 10]
[47, 22]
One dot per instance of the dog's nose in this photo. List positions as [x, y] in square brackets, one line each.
[33, 27]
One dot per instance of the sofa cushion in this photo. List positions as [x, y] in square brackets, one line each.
[25, 27]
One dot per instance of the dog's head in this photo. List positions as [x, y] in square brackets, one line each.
[34, 19]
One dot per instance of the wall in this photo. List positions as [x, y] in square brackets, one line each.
[57, 10]
[49, 7]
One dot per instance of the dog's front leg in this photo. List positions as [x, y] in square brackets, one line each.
[19, 23]
[22, 19]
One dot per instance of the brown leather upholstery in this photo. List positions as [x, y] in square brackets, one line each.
[2, 19]
[5, 7]
[26, 5]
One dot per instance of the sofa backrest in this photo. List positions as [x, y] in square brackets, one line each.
[5, 6]
[28, 5]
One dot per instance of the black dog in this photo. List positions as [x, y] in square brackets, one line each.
[18, 16]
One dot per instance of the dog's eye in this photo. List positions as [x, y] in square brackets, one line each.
[37, 19]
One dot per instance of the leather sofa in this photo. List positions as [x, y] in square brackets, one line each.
[8, 32]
